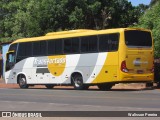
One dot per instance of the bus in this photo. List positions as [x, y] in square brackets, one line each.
[82, 58]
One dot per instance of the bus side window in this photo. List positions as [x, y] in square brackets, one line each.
[54, 47]
[108, 42]
[93, 43]
[71, 45]
[103, 43]
[58, 47]
[24, 51]
[68, 46]
[89, 44]
[84, 44]
[75, 45]
[113, 41]
[51, 47]
[40, 48]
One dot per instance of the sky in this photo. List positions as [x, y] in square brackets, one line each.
[137, 2]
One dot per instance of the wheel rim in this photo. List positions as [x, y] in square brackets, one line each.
[22, 82]
[78, 82]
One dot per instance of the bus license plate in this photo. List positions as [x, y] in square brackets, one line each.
[140, 71]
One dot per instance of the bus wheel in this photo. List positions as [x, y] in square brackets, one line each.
[85, 87]
[150, 84]
[158, 85]
[78, 82]
[105, 87]
[22, 82]
[49, 86]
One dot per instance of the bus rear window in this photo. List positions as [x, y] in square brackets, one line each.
[135, 38]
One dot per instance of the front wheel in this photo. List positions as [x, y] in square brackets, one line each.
[22, 82]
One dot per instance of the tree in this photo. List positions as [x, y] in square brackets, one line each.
[26, 20]
[29, 18]
[118, 13]
[76, 18]
[153, 2]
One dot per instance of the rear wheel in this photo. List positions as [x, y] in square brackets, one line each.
[150, 84]
[105, 87]
[22, 82]
[77, 81]
[158, 85]
[49, 86]
[85, 87]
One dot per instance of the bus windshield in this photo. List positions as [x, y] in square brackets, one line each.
[135, 38]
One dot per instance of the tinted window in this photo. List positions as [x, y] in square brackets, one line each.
[25, 49]
[93, 43]
[13, 47]
[108, 42]
[138, 38]
[75, 45]
[51, 47]
[67, 45]
[89, 44]
[58, 47]
[39, 48]
[55, 47]
[71, 45]
[84, 44]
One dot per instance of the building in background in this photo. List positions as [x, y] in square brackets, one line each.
[1, 63]
[4, 49]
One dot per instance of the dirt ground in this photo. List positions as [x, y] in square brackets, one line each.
[131, 86]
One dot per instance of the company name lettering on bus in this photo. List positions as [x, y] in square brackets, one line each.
[138, 62]
[49, 61]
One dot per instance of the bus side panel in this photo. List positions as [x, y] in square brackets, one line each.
[109, 71]
[25, 67]
[10, 77]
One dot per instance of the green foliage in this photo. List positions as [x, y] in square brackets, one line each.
[76, 18]
[29, 18]
[151, 20]
[153, 2]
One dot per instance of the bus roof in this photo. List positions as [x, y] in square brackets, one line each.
[74, 33]
[69, 32]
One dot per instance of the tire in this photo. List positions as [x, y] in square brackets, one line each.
[158, 85]
[77, 81]
[49, 86]
[85, 87]
[22, 82]
[150, 84]
[105, 87]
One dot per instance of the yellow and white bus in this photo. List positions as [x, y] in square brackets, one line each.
[82, 58]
